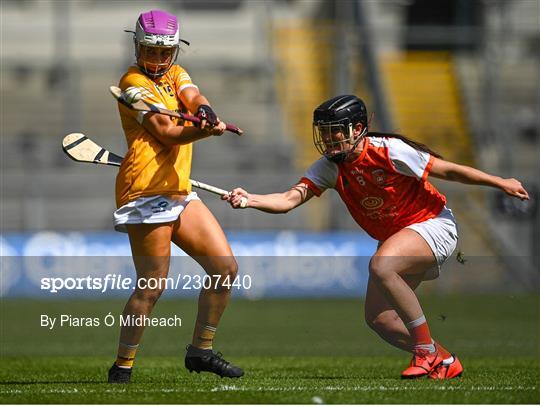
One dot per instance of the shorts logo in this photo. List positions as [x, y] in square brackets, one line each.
[379, 176]
[372, 203]
[160, 207]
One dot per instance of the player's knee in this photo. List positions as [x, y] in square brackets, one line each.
[225, 272]
[380, 268]
[149, 295]
[230, 270]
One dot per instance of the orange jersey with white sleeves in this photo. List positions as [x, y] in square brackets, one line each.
[149, 167]
[385, 189]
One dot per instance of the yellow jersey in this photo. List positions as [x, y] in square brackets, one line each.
[149, 167]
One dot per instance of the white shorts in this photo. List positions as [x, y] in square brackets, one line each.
[150, 210]
[441, 234]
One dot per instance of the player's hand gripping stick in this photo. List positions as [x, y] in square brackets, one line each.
[132, 98]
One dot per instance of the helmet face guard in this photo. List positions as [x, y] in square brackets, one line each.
[157, 42]
[155, 60]
[335, 141]
[335, 126]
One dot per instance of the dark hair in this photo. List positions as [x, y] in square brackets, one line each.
[416, 145]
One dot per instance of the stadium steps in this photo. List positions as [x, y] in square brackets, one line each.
[303, 62]
[424, 99]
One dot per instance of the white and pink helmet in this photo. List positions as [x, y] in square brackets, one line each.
[157, 30]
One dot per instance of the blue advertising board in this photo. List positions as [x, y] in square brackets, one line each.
[271, 264]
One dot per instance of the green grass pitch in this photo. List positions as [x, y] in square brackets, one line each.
[293, 351]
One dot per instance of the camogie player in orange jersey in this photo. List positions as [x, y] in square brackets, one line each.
[382, 179]
[155, 203]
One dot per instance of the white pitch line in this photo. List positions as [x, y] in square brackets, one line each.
[233, 388]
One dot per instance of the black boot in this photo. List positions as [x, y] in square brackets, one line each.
[207, 360]
[119, 375]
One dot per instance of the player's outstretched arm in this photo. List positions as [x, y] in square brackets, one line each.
[270, 203]
[465, 174]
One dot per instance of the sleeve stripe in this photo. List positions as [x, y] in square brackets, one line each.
[428, 167]
[186, 86]
[316, 191]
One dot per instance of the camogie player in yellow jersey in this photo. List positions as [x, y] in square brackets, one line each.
[155, 203]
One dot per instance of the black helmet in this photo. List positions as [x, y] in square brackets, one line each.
[346, 109]
[339, 114]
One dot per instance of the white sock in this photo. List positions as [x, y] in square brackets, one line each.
[428, 347]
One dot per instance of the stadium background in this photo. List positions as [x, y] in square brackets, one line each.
[461, 76]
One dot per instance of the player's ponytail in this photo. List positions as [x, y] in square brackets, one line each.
[416, 145]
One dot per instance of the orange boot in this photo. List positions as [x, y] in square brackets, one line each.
[422, 364]
[448, 369]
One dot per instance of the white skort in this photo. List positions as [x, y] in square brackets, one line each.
[150, 210]
[441, 234]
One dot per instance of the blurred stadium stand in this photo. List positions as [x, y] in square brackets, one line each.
[467, 85]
